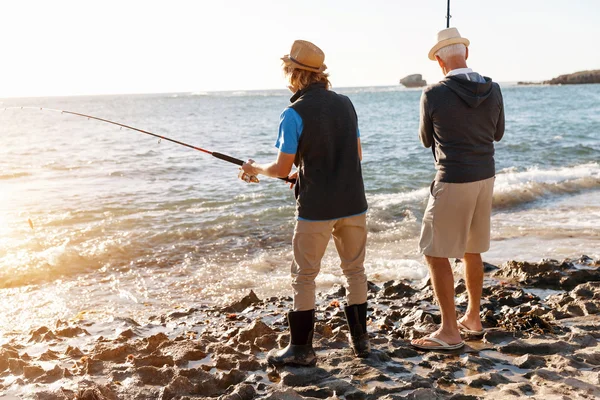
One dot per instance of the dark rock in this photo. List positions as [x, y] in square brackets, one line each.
[32, 371]
[397, 290]
[71, 332]
[314, 391]
[155, 376]
[52, 375]
[233, 377]
[206, 383]
[154, 341]
[153, 361]
[302, 376]
[74, 352]
[16, 366]
[536, 347]
[486, 379]
[241, 392]
[581, 77]
[180, 385]
[255, 330]
[413, 81]
[550, 274]
[119, 353]
[244, 303]
[529, 361]
[478, 364]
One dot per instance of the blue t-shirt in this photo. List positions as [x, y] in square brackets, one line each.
[290, 130]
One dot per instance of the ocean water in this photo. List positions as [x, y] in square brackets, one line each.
[125, 226]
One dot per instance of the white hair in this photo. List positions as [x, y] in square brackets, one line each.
[454, 50]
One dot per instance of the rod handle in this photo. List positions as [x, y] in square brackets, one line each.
[227, 158]
[239, 162]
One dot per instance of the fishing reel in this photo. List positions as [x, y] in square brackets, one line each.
[247, 177]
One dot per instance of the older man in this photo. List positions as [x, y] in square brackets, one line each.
[461, 117]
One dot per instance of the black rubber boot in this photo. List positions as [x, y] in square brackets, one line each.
[300, 350]
[356, 316]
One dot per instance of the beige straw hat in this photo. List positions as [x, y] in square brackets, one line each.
[305, 55]
[445, 38]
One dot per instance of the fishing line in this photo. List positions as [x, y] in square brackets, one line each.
[215, 154]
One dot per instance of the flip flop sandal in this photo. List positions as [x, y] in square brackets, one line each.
[441, 345]
[463, 329]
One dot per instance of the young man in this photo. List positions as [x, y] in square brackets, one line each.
[461, 117]
[319, 133]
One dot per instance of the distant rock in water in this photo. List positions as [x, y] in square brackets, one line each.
[414, 80]
[576, 78]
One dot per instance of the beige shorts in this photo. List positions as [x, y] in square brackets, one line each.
[457, 219]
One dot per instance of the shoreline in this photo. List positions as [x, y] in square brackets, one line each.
[538, 346]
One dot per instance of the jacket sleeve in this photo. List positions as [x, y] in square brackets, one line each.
[426, 123]
[500, 124]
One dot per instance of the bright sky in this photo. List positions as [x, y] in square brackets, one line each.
[129, 46]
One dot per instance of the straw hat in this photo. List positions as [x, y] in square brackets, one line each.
[305, 55]
[445, 38]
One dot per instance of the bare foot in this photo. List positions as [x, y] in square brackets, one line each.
[449, 337]
[472, 323]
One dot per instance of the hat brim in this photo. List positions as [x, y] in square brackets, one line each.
[445, 43]
[290, 62]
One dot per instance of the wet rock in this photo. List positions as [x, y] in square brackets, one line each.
[104, 352]
[152, 342]
[49, 355]
[154, 375]
[266, 342]
[181, 314]
[32, 371]
[422, 394]
[478, 364]
[206, 383]
[92, 366]
[241, 392]
[71, 332]
[302, 376]
[288, 394]
[73, 352]
[314, 391]
[233, 377]
[16, 366]
[153, 361]
[52, 375]
[96, 392]
[529, 361]
[126, 335]
[536, 347]
[180, 385]
[486, 379]
[244, 303]
[397, 290]
[550, 274]
[255, 330]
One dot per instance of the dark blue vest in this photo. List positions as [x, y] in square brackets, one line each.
[330, 183]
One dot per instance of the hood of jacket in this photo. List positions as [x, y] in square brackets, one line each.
[471, 92]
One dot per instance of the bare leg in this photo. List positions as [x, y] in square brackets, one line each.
[443, 285]
[474, 281]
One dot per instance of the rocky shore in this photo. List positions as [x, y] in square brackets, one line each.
[542, 342]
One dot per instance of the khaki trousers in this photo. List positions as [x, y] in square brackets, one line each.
[310, 242]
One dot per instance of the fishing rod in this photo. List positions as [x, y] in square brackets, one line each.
[215, 154]
[448, 16]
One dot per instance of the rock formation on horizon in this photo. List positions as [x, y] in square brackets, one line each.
[414, 80]
[580, 77]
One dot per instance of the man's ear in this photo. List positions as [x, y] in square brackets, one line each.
[440, 62]
[467, 54]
